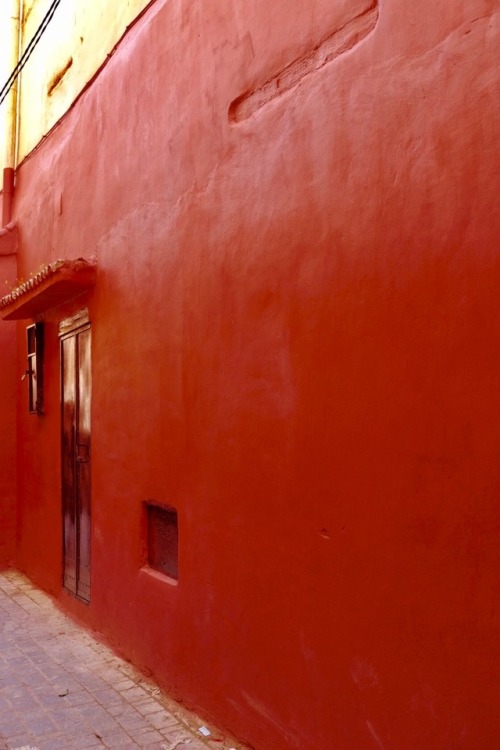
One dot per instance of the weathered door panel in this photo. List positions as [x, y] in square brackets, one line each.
[83, 465]
[68, 377]
[76, 406]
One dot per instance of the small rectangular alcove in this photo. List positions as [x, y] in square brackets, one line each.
[163, 540]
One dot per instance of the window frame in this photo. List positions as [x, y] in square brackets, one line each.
[34, 371]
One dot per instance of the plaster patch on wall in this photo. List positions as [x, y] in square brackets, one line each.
[340, 41]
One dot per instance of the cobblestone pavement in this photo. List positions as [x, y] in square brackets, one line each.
[61, 689]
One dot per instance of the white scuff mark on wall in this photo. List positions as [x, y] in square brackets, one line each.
[375, 736]
[363, 674]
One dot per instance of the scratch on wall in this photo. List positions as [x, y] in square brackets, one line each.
[375, 736]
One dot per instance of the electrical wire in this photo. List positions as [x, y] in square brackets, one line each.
[28, 51]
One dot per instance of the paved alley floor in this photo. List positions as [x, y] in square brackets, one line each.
[61, 689]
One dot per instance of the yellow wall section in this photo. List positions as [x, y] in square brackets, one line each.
[73, 47]
[4, 74]
[9, 17]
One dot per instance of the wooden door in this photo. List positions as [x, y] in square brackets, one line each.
[76, 401]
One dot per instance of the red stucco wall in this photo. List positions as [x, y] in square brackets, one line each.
[295, 343]
[8, 376]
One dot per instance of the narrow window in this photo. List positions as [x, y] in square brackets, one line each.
[163, 540]
[34, 373]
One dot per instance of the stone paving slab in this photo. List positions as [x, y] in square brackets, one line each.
[61, 689]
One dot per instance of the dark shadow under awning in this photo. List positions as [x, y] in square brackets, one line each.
[55, 284]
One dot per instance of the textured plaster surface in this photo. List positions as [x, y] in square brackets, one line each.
[295, 344]
[8, 385]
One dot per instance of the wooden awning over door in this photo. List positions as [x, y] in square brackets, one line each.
[53, 285]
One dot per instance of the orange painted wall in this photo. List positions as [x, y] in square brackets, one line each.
[295, 343]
